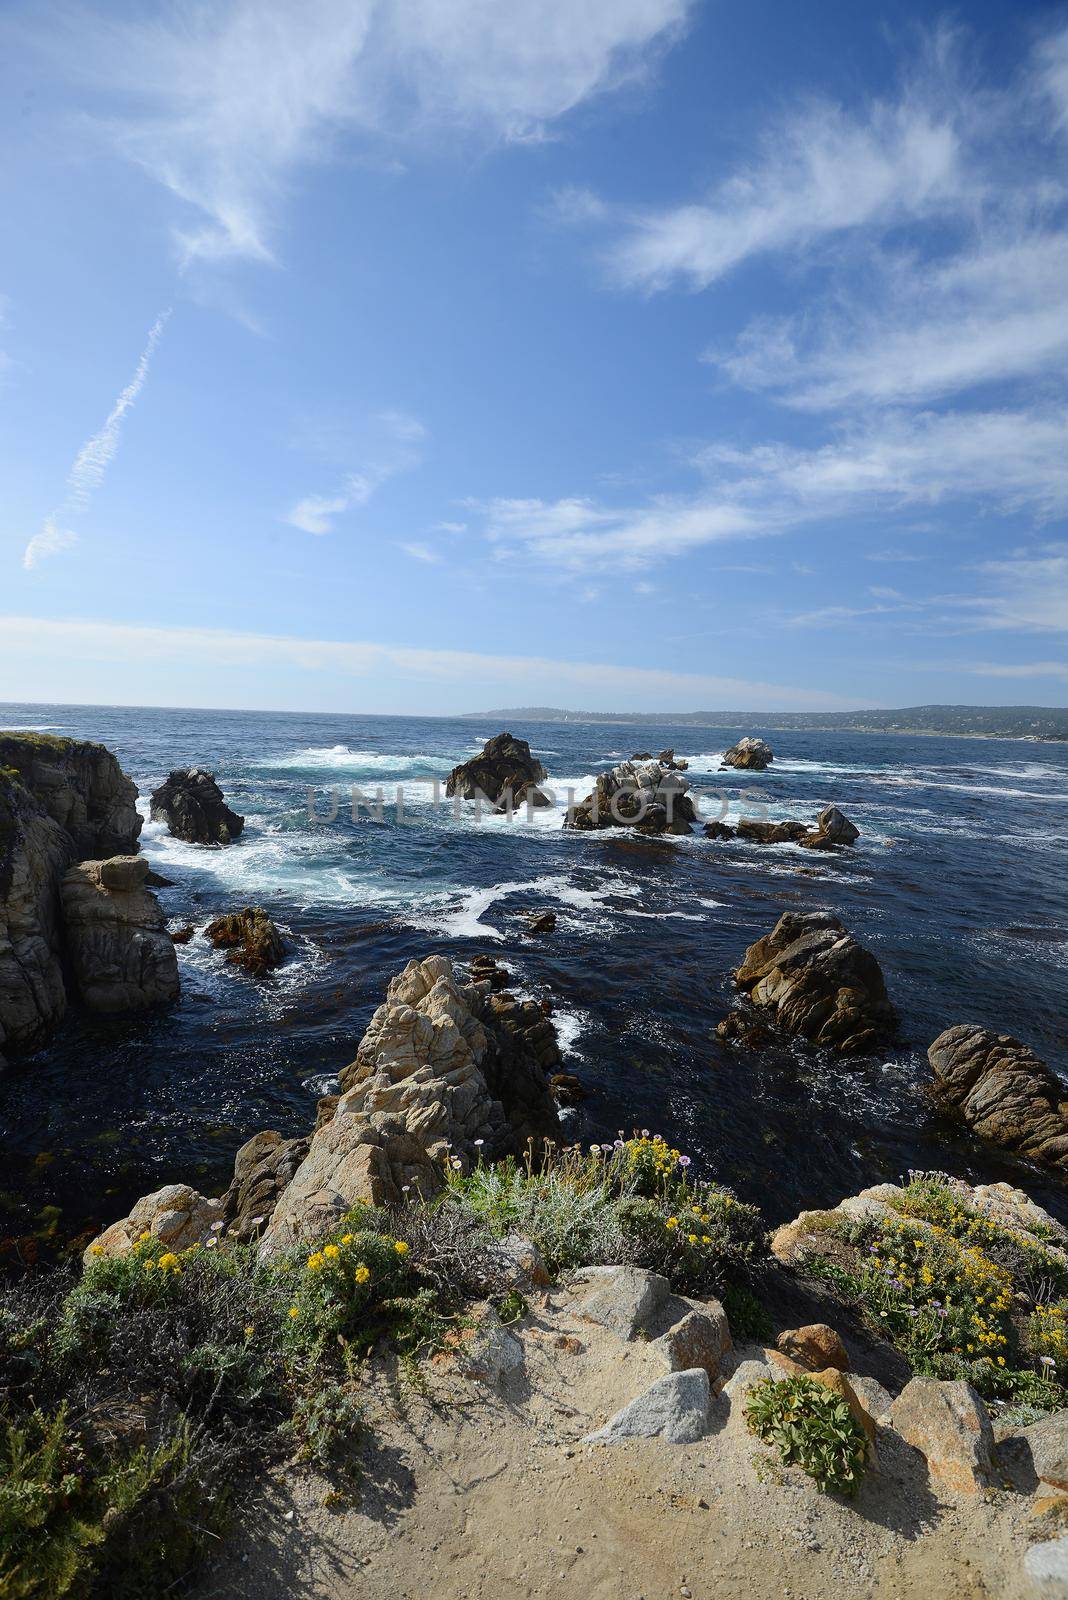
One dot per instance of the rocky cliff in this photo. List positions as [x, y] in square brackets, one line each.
[60, 800]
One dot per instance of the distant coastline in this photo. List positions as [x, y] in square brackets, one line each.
[1033, 724]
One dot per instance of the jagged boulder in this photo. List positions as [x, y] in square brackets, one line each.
[811, 978]
[833, 827]
[639, 794]
[263, 1168]
[120, 952]
[1002, 1090]
[459, 1060]
[191, 803]
[750, 754]
[505, 771]
[771, 832]
[59, 799]
[250, 939]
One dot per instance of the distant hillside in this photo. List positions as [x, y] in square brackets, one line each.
[996, 722]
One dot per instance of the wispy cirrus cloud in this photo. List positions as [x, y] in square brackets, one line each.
[822, 172]
[92, 461]
[388, 443]
[995, 313]
[223, 104]
[1016, 461]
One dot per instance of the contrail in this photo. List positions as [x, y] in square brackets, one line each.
[92, 461]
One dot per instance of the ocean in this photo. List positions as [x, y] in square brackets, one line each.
[959, 884]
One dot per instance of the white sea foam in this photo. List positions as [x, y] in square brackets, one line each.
[339, 758]
[32, 727]
[570, 1026]
[459, 913]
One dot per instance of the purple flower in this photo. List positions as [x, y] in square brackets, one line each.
[618, 1144]
[684, 1161]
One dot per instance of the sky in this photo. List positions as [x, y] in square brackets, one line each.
[426, 356]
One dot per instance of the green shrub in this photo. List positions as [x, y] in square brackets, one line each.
[811, 1427]
[329, 1423]
[630, 1203]
[352, 1290]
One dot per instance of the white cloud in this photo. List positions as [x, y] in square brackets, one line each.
[994, 313]
[222, 104]
[92, 461]
[1016, 461]
[823, 172]
[389, 443]
[28, 643]
[419, 550]
[1053, 59]
[1027, 592]
[575, 533]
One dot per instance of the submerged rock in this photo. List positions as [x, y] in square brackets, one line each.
[504, 771]
[1002, 1090]
[813, 980]
[250, 938]
[191, 803]
[116, 938]
[750, 754]
[642, 795]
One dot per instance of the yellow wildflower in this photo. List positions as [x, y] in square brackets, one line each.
[362, 1273]
[96, 1249]
[331, 1252]
[672, 1222]
[294, 1311]
[315, 1261]
[401, 1248]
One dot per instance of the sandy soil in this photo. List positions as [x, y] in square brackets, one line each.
[473, 1493]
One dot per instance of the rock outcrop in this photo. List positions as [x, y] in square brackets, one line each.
[1002, 1091]
[749, 754]
[811, 978]
[833, 829]
[639, 794]
[250, 939]
[81, 786]
[459, 1061]
[191, 803]
[1009, 1208]
[446, 1071]
[120, 952]
[263, 1168]
[60, 799]
[505, 771]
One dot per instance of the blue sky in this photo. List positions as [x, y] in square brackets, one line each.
[428, 355]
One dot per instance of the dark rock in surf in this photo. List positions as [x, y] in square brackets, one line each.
[541, 921]
[1002, 1091]
[638, 794]
[191, 803]
[811, 978]
[504, 770]
[250, 938]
